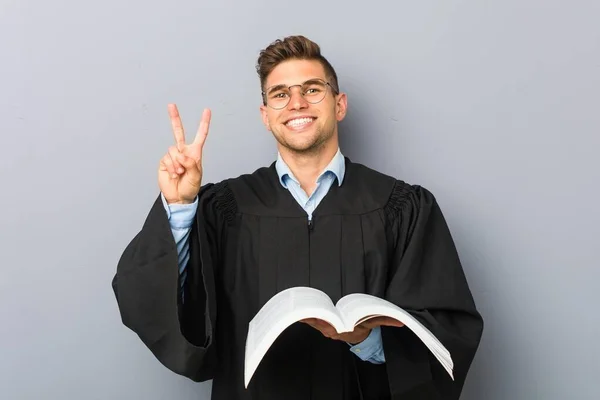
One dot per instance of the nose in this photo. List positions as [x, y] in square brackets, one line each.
[297, 101]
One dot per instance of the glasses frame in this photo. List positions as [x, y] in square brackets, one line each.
[327, 85]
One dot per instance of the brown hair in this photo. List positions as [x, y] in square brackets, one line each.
[293, 48]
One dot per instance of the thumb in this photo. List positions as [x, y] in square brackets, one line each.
[188, 162]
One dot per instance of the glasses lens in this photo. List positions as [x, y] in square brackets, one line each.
[278, 97]
[314, 91]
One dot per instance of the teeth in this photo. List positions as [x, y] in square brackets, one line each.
[299, 122]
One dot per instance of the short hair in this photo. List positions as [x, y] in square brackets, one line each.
[292, 48]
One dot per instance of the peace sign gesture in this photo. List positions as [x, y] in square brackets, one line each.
[180, 170]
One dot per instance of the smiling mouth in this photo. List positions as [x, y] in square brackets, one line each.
[300, 123]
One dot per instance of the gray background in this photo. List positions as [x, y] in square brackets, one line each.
[492, 106]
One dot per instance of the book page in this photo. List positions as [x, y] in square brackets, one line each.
[281, 311]
[358, 307]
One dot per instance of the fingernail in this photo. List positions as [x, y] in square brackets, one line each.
[174, 176]
[180, 170]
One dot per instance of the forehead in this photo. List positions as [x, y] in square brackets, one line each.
[292, 72]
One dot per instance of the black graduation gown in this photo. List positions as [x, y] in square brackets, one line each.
[250, 239]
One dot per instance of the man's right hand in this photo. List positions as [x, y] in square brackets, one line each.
[180, 170]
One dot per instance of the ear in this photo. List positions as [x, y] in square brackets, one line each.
[265, 117]
[341, 106]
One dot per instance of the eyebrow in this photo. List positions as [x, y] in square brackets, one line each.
[276, 87]
[282, 86]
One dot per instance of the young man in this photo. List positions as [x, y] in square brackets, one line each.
[208, 257]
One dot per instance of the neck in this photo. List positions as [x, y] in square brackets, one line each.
[307, 167]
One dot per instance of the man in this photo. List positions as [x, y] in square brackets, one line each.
[209, 256]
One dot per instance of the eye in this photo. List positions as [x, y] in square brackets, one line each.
[313, 89]
[278, 95]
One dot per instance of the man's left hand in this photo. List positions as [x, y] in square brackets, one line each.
[360, 332]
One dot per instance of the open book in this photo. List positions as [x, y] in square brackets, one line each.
[298, 303]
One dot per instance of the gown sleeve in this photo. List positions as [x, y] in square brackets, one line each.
[426, 278]
[180, 334]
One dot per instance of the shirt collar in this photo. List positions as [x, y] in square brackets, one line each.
[336, 166]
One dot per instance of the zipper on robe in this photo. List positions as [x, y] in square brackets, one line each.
[310, 229]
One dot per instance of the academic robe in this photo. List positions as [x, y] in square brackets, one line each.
[250, 239]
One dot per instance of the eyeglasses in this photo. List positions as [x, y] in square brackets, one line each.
[313, 91]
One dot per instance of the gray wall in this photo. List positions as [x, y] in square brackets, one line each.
[492, 106]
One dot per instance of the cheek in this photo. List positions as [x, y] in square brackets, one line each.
[271, 117]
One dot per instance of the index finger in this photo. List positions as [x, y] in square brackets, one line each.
[382, 321]
[203, 128]
[177, 126]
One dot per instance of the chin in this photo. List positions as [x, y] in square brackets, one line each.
[304, 141]
[304, 146]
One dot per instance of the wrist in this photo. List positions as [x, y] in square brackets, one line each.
[360, 339]
[179, 202]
